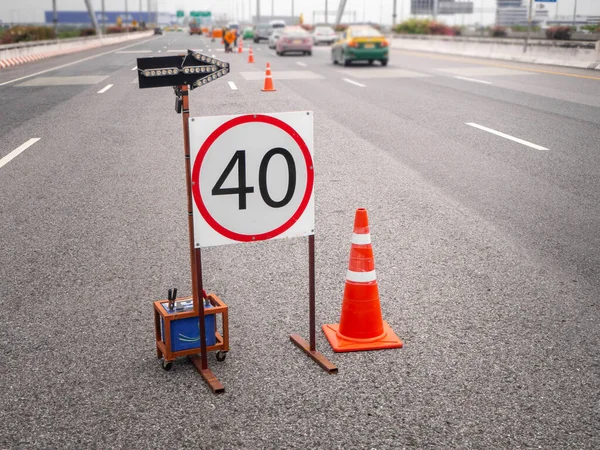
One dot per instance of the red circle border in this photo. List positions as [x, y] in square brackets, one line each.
[204, 150]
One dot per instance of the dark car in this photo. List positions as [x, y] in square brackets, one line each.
[158, 30]
[262, 32]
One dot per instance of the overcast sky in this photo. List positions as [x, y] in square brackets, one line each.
[370, 10]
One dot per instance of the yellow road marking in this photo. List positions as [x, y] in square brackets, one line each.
[505, 66]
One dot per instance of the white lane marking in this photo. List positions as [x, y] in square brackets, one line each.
[17, 151]
[301, 64]
[159, 51]
[72, 63]
[105, 88]
[473, 80]
[506, 136]
[353, 82]
[232, 85]
[134, 68]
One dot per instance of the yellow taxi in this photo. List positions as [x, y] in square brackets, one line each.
[360, 43]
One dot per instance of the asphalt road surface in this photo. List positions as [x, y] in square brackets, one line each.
[487, 252]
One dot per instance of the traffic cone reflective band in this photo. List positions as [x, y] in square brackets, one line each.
[361, 326]
[250, 56]
[268, 80]
[240, 47]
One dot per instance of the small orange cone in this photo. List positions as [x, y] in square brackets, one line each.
[268, 80]
[250, 56]
[240, 50]
[361, 326]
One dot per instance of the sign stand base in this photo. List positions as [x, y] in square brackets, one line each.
[310, 349]
[213, 383]
[315, 355]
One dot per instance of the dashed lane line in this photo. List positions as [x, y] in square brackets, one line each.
[134, 68]
[301, 64]
[17, 151]
[105, 88]
[506, 136]
[353, 82]
[232, 86]
[473, 80]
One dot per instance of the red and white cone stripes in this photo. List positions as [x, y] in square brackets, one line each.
[361, 325]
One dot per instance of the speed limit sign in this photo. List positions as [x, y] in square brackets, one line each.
[252, 177]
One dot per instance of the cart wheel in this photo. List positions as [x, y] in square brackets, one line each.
[221, 356]
[167, 365]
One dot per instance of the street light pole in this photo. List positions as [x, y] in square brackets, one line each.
[54, 18]
[575, 13]
[394, 15]
[529, 26]
[326, 13]
[272, 8]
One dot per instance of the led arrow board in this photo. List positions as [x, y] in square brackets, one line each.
[193, 69]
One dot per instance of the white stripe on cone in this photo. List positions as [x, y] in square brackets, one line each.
[361, 277]
[361, 239]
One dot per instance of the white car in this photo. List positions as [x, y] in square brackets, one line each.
[274, 37]
[324, 35]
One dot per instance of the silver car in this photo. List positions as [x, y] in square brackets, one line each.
[324, 35]
[274, 37]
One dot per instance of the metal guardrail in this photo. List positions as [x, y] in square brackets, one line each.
[505, 40]
[63, 41]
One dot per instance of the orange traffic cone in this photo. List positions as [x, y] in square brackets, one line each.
[240, 46]
[268, 80]
[250, 56]
[361, 326]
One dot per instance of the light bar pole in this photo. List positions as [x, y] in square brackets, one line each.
[394, 15]
[575, 13]
[326, 14]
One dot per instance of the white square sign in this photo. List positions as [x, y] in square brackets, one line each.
[252, 177]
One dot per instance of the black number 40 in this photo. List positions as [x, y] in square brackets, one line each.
[242, 190]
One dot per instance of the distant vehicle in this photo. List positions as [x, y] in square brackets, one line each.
[277, 24]
[158, 30]
[324, 35]
[195, 29]
[233, 26]
[360, 43]
[274, 37]
[262, 32]
[248, 33]
[294, 39]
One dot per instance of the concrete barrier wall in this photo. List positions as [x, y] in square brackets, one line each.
[13, 54]
[584, 55]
